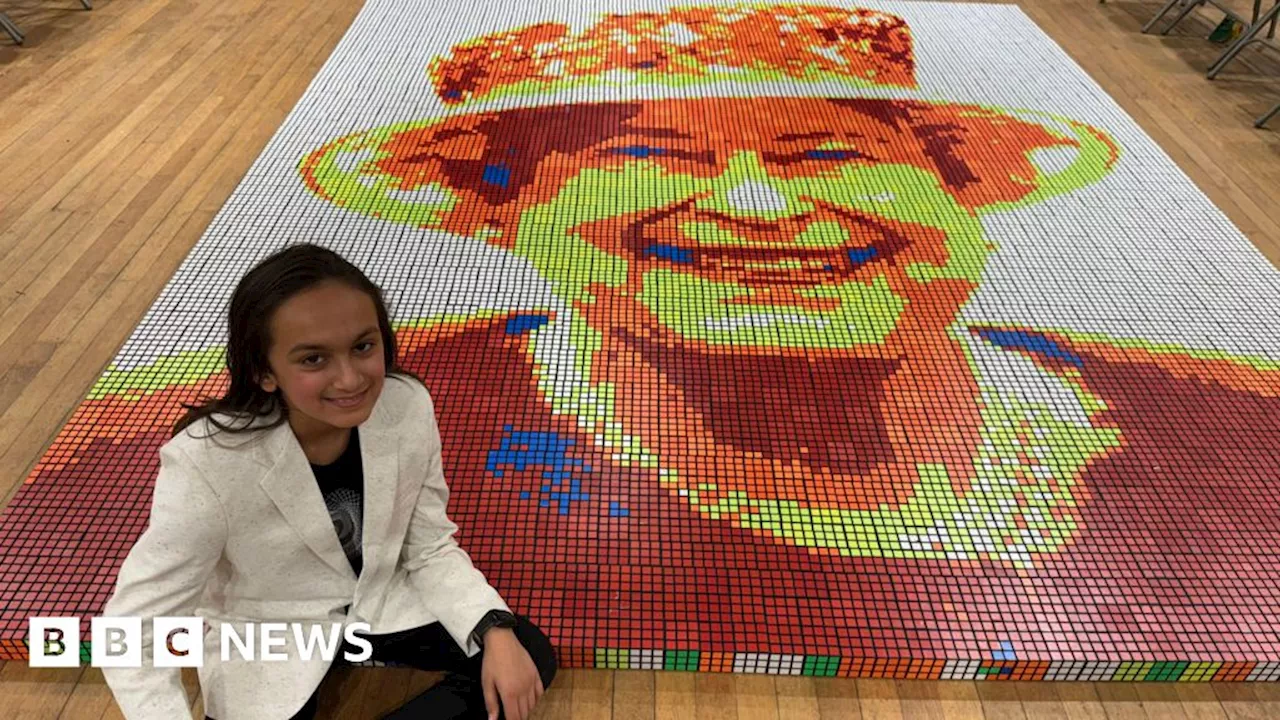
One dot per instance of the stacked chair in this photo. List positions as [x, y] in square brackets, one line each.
[1251, 34]
[12, 30]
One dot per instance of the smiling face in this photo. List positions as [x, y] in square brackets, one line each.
[326, 358]
[797, 222]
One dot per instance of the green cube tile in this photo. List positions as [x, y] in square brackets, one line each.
[680, 660]
[1165, 671]
[820, 666]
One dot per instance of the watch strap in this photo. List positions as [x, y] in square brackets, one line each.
[492, 619]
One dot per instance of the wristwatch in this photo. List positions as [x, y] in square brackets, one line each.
[492, 619]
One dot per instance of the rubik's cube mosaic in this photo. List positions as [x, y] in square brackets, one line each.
[802, 339]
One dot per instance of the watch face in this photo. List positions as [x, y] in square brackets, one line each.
[493, 619]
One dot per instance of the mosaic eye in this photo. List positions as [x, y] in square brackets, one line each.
[836, 155]
[670, 253]
[861, 256]
[639, 151]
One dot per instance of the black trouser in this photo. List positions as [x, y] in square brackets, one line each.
[459, 695]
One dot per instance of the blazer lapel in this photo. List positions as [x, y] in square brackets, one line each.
[292, 487]
[379, 450]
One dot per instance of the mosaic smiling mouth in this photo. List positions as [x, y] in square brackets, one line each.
[768, 253]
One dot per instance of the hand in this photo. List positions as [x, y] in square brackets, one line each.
[507, 672]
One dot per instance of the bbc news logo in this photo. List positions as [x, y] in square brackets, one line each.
[179, 641]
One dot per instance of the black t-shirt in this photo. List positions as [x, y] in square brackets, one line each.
[342, 486]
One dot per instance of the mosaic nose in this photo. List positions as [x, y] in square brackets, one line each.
[752, 196]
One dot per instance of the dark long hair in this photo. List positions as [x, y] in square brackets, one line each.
[256, 298]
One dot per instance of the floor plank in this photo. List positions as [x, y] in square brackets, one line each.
[1081, 701]
[1160, 701]
[757, 697]
[37, 693]
[1041, 701]
[592, 694]
[959, 700]
[797, 698]
[1000, 700]
[557, 702]
[1240, 703]
[90, 698]
[675, 695]
[388, 689]
[920, 700]
[1121, 701]
[838, 699]
[633, 695]
[714, 696]
[878, 699]
[1199, 701]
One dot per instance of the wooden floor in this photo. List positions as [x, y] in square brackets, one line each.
[634, 695]
[124, 129]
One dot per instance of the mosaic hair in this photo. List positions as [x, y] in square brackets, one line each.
[256, 298]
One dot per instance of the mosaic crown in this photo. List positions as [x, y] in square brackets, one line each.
[684, 46]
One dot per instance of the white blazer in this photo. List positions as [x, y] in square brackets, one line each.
[239, 532]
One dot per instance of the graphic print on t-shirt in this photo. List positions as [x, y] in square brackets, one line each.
[345, 510]
[341, 485]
